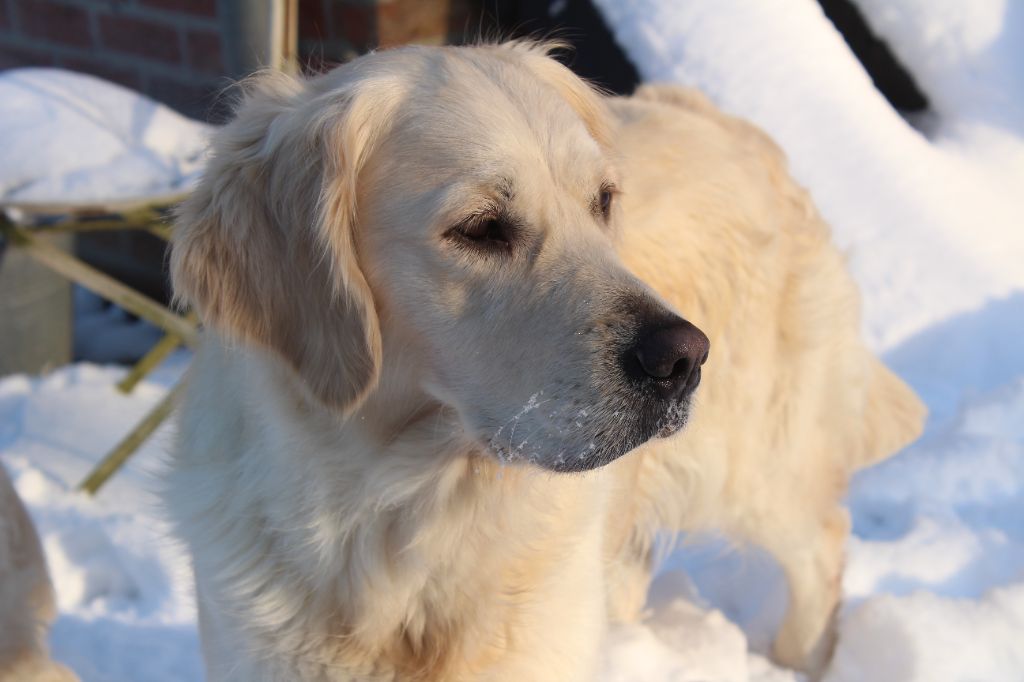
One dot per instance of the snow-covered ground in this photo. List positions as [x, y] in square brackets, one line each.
[935, 231]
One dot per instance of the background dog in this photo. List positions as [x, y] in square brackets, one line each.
[438, 416]
[26, 596]
[792, 402]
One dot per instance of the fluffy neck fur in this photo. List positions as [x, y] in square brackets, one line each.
[383, 545]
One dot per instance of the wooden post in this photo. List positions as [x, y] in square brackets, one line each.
[162, 231]
[289, 37]
[260, 34]
[164, 347]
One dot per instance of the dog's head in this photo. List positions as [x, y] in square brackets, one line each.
[448, 214]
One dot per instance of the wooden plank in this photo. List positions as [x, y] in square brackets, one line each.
[160, 230]
[102, 284]
[164, 347]
[96, 220]
[98, 225]
[109, 465]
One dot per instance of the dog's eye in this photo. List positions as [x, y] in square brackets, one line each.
[606, 202]
[492, 232]
[603, 201]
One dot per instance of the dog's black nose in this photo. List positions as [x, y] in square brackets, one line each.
[672, 357]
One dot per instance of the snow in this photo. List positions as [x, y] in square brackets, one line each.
[957, 51]
[925, 637]
[934, 588]
[71, 137]
[684, 639]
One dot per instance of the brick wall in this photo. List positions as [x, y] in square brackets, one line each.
[169, 49]
[176, 50]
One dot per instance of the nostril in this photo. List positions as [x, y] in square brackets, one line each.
[682, 368]
[693, 380]
[656, 362]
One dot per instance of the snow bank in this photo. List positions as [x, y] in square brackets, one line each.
[965, 55]
[67, 136]
[938, 531]
[683, 643]
[925, 638]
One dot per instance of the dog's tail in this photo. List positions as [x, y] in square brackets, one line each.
[893, 416]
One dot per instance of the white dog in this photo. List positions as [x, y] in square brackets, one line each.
[438, 415]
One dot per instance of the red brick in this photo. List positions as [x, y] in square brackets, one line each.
[117, 74]
[142, 37]
[12, 57]
[191, 99]
[204, 51]
[200, 8]
[55, 21]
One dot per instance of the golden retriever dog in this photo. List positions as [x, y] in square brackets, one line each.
[26, 596]
[437, 419]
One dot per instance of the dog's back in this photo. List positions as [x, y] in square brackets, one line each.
[792, 400]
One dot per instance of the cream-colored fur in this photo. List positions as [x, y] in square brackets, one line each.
[26, 597]
[366, 471]
[792, 403]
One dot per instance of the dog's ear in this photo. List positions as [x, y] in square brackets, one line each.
[264, 247]
[893, 415]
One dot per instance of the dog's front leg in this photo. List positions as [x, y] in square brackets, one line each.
[813, 563]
